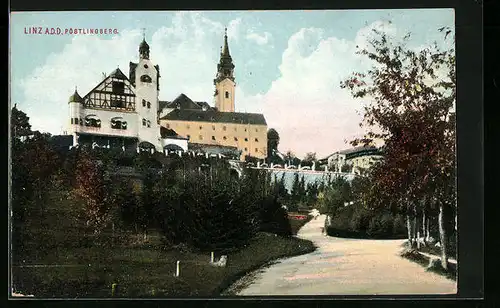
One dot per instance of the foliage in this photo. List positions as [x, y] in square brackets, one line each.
[92, 186]
[19, 123]
[412, 95]
[310, 157]
[273, 139]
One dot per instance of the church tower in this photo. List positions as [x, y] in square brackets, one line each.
[147, 88]
[224, 80]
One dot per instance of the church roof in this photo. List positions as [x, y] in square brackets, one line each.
[183, 102]
[215, 116]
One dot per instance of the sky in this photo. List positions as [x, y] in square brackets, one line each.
[289, 64]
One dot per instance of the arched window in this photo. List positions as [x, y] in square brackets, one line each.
[149, 123]
[92, 120]
[118, 123]
[143, 122]
[145, 78]
[149, 105]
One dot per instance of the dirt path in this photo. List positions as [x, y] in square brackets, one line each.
[345, 267]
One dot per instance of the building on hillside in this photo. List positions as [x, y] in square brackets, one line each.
[355, 159]
[218, 126]
[120, 111]
[126, 112]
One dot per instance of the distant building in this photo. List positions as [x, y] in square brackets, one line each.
[357, 158]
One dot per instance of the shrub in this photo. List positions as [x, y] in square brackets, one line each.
[381, 226]
[273, 218]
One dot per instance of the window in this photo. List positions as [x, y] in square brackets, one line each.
[224, 137]
[213, 127]
[245, 129]
[235, 129]
[71, 120]
[93, 121]
[256, 150]
[145, 78]
[146, 66]
[227, 94]
[201, 127]
[200, 137]
[256, 139]
[81, 121]
[213, 137]
[256, 130]
[118, 87]
[117, 103]
[149, 105]
[223, 128]
[149, 123]
[143, 122]
[246, 149]
[118, 123]
[143, 103]
[188, 136]
[168, 125]
[246, 139]
[188, 127]
[235, 139]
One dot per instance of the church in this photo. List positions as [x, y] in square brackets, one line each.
[126, 112]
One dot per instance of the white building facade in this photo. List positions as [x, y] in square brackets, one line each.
[122, 111]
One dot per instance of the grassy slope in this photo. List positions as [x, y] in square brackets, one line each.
[141, 270]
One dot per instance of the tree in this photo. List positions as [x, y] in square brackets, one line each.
[310, 157]
[94, 189]
[411, 107]
[273, 139]
[19, 123]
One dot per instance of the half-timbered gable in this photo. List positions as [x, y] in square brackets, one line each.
[114, 93]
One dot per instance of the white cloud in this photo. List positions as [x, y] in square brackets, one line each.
[305, 104]
[259, 39]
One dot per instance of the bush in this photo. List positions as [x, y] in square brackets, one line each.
[273, 218]
[357, 222]
[381, 226]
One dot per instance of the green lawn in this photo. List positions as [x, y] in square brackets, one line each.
[138, 268]
[146, 270]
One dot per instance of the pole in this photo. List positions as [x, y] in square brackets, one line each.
[177, 269]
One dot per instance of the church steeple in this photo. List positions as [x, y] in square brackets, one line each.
[225, 68]
[224, 80]
[144, 47]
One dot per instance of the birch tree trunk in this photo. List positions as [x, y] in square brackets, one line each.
[443, 237]
[428, 228]
[408, 227]
[424, 227]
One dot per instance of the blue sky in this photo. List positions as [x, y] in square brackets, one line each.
[288, 63]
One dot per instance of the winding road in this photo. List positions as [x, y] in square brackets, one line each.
[344, 267]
